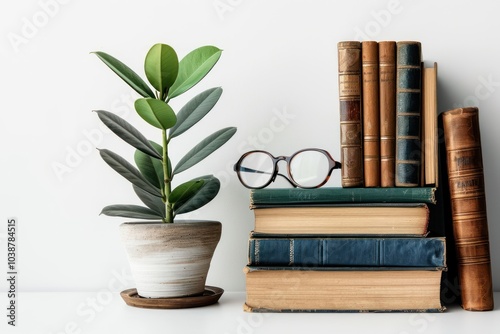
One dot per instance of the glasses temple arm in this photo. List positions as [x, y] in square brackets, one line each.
[251, 170]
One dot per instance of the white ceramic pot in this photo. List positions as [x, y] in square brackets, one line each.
[170, 260]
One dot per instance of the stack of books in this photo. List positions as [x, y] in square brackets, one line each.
[343, 249]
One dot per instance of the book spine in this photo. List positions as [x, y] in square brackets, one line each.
[351, 145]
[429, 126]
[408, 114]
[328, 252]
[387, 78]
[371, 114]
[468, 207]
[327, 195]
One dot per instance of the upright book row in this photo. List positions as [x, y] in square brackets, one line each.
[343, 249]
[388, 115]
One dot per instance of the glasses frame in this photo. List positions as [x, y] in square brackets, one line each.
[333, 164]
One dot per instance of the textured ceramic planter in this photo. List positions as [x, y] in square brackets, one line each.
[170, 260]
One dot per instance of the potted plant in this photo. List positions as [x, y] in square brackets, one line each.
[168, 257]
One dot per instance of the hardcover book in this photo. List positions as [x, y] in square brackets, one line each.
[371, 114]
[387, 78]
[330, 195]
[351, 144]
[429, 126]
[408, 114]
[468, 207]
[350, 252]
[403, 219]
[298, 289]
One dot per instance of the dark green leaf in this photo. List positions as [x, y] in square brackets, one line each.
[127, 132]
[130, 211]
[156, 112]
[153, 202]
[195, 110]
[127, 75]
[205, 194]
[161, 67]
[150, 168]
[185, 191]
[125, 169]
[204, 148]
[193, 67]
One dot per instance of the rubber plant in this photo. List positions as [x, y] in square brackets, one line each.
[153, 174]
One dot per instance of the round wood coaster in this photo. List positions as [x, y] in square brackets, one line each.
[210, 296]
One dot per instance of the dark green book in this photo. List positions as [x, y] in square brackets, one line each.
[354, 252]
[408, 114]
[331, 195]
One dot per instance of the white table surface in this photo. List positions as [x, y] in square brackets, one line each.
[106, 312]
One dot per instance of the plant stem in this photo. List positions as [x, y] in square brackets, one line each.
[169, 214]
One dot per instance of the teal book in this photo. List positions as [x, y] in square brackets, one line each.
[347, 252]
[331, 195]
[408, 114]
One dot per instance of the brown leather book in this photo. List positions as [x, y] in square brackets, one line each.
[351, 145]
[387, 83]
[468, 207]
[371, 114]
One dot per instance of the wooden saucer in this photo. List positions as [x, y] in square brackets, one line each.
[210, 296]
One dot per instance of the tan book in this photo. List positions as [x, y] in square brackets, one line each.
[429, 126]
[360, 289]
[351, 144]
[387, 78]
[468, 207]
[409, 219]
[371, 113]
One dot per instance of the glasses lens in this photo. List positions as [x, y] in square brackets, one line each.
[309, 168]
[256, 169]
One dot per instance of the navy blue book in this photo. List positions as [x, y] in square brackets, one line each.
[349, 252]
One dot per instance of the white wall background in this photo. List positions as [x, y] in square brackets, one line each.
[279, 74]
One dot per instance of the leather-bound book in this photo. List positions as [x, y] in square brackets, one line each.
[468, 207]
[387, 79]
[371, 114]
[351, 144]
[408, 114]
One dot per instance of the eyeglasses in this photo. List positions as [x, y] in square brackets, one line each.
[307, 168]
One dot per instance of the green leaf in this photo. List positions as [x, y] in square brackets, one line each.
[125, 169]
[150, 168]
[156, 112]
[205, 194]
[127, 132]
[130, 211]
[127, 75]
[153, 202]
[193, 67]
[204, 149]
[161, 66]
[195, 110]
[185, 191]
